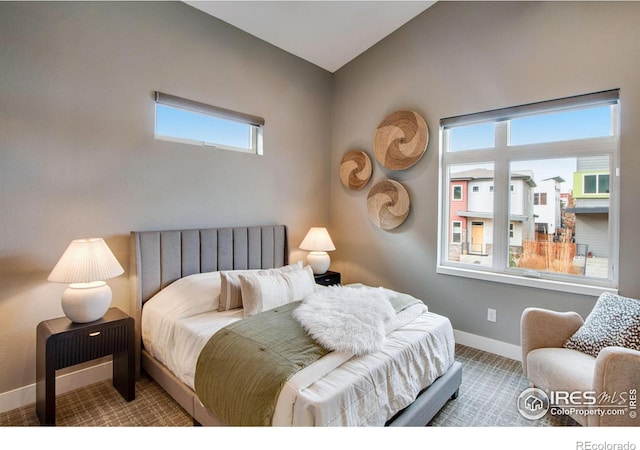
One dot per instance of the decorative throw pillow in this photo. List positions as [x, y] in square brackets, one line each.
[261, 292]
[614, 321]
[230, 289]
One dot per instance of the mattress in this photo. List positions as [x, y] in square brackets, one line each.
[364, 390]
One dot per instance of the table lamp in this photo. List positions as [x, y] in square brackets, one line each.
[85, 264]
[318, 242]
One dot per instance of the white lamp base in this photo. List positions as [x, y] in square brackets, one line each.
[86, 302]
[319, 262]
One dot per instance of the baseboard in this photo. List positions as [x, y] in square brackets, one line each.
[488, 345]
[26, 395]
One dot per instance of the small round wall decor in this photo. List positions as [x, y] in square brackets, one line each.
[355, 169]
[388, 204]
[400, 140]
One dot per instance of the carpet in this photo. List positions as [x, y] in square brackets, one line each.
[100, 405]
[488, 394]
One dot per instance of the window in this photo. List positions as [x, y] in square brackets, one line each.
[472, 137]
[190, 122]
[456, 231]
[540, 198]
[457, 193]
[544, 209]
[596, 184]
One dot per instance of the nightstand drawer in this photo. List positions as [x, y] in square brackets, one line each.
[328, 279]
[75, 349]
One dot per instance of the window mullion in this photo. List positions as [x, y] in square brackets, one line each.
[501, 198]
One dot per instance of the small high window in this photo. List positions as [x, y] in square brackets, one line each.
[195, 123]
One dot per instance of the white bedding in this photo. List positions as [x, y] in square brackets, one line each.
[357, 391]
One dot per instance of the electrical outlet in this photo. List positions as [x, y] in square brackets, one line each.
[491, 315]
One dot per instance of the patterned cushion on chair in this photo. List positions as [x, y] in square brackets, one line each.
[614, 321]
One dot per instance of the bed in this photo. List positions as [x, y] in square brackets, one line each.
[163, 262]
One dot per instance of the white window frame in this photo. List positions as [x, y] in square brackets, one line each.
[502, 155]
[255, 123]
[597, 175]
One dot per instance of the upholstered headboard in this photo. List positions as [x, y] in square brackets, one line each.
[158, 258]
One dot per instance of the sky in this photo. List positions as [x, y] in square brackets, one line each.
[558, 126]
[183, 124]
[552, 127]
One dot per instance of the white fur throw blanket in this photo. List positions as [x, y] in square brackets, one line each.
[342, 318]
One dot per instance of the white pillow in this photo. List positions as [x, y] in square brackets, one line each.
[185, 297]
[261, 292]
[231, 290]
[188, 296]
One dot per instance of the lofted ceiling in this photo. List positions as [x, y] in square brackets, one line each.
[326, 33]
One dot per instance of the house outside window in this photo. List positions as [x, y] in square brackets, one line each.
[522, 164]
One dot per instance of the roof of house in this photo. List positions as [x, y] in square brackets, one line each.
[487, 174]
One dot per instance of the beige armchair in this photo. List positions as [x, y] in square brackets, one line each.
[612, 378]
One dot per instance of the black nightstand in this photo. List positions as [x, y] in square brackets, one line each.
[328, 278]
[62, 343]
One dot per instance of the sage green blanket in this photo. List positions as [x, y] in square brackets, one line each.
[243, 367]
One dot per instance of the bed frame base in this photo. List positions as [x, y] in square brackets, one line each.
[431, 400]
[418, 414]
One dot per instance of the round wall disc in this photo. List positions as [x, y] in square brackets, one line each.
[400, 140]
[388, 204]
[355, 169]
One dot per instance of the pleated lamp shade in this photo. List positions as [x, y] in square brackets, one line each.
[84, 261]
[317, 240]
[85, 264]
[318, 243]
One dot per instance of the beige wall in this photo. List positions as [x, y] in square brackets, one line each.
[465, 57]
[78, 157]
